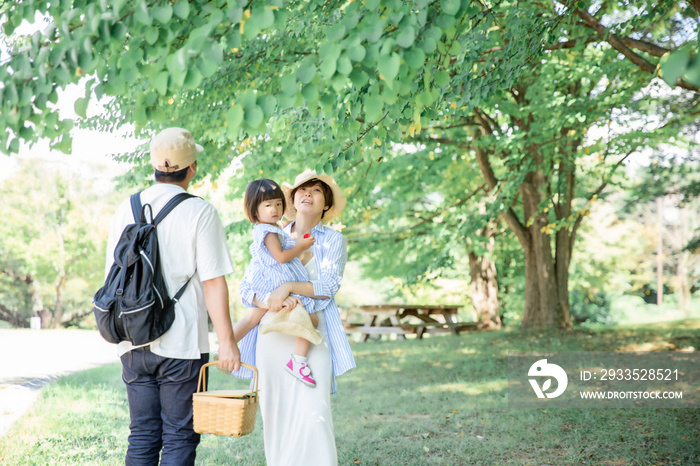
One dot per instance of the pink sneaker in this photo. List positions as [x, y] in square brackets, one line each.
[301, 371]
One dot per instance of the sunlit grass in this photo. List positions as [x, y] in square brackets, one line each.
[440, 400]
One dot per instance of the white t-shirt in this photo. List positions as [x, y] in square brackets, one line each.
[192, 243]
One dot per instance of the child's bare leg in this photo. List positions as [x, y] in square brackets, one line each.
[301, 348]
[247, 323]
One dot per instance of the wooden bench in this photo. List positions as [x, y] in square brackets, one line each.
[405, 319]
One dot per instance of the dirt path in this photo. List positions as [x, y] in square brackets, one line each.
[31, 358]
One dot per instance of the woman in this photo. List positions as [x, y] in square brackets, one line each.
[297, 422]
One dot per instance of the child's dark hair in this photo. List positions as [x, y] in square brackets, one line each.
[259, 191]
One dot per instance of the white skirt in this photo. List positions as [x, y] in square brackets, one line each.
[297, 422]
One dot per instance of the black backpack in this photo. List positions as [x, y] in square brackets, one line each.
[133, 305]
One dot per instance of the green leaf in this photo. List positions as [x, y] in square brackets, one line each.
[310, 93]
[692, 74]
[182, 9]
[207, 67]
[372, 27]
[415, 58]
[193, 79]
[674, 66]
[450, 7]
[80, 106]
[177, 65]
[344, 66]
[357, 53]
[373, 107]
[306, 71]
[160, 82]
[212, 51]
[289, 84]
[335, 32]
[358, 78]
[234, 13]
[328, 67]
[442, 77]
[268, 104]
[389, 67]
[162, 13]
[117, 31]
[338, 82]
[406, 37]
[263, 17]
[254, 117]
[151, 34]
[248, 100]
[141, 14]
[14, 146]
[234, 118]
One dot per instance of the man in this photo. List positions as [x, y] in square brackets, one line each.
[161, 376]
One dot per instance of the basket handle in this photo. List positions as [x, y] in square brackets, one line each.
[202, 384]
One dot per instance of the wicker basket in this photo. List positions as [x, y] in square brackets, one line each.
[225, 412]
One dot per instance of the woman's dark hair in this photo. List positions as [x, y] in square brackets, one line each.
[327, 193]
[259, 191]
[172, 177]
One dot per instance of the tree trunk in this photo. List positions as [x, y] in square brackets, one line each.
[546, 277]
[38, 308]
[659, 252]
[682, 272]
[58, 311]
[62, 277]
[484, 287]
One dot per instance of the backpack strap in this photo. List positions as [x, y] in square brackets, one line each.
[136, 209]
[179, 293]
[172, 203]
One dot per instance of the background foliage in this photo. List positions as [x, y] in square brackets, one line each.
[451, 124]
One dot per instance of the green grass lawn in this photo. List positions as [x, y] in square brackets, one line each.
[441, 400]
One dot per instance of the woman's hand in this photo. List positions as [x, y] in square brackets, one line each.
[276, 300]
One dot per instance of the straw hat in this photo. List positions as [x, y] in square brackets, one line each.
[295, 322]
[339, 199]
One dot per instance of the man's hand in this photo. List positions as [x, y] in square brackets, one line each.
[229, 357]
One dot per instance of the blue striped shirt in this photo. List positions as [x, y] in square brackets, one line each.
[330, 253]
[264, 274]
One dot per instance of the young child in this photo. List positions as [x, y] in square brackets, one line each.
[275, 262]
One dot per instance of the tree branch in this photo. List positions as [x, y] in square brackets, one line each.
[388, 235]
[572, 43]
[648, 47]
[618, 44]
[446, 141]
[8, 315]
[695, 4]
[487, 171]
[600, 189]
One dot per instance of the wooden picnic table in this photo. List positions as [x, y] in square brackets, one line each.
[404, 319]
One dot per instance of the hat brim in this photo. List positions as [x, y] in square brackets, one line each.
[339, 199]
[296, 323]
